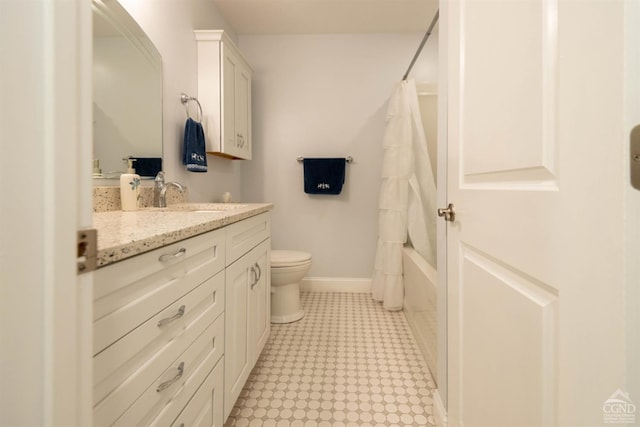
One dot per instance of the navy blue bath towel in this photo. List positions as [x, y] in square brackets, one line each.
[324, 176]
[194, 154]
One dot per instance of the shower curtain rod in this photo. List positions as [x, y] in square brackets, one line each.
[424, 40]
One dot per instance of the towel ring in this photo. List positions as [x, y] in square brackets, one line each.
[184, 99]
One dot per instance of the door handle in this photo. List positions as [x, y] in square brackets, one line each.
[255, 277]
[259, 271]
[448, 213]
[257, 274]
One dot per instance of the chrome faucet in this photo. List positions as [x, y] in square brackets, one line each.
[160, 190]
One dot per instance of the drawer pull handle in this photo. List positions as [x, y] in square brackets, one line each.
[172, 257]
[168, 383]
[176, 316]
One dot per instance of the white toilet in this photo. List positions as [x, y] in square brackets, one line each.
[287, 270]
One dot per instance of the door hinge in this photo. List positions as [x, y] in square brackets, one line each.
[634, 154]
[87, 250]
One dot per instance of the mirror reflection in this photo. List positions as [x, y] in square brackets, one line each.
[127, 93]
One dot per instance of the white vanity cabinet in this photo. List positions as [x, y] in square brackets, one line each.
[224, 91]
[248, 302]
[177, 330]
[159, 334]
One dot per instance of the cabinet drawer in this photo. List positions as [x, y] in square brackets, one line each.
[128, 293]
[126, 368]
[163, 400]
[245, 235]
[205, 408]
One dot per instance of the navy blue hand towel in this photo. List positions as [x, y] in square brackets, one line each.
[324, 176]
[194, 154]
[148, 166]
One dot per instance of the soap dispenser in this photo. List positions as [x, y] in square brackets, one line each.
[129, 187]
[97, 172]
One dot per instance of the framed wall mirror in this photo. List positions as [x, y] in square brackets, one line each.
[127, 92]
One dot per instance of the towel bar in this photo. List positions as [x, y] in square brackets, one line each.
[348, 159]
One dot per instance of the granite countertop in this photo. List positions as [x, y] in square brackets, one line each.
[123, 235]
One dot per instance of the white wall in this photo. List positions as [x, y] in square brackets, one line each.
[170, 24]
[325, 95]
[313, 95]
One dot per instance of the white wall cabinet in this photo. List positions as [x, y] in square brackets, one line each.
[169, 347]
[224, 91]
[248, 302]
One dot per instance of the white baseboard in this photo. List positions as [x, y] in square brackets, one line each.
[439, 412]
[335, 284]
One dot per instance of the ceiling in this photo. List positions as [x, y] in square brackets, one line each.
[327, 16]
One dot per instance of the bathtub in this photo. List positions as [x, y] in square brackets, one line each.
[421, 305]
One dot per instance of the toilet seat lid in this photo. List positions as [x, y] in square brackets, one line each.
[283, 258]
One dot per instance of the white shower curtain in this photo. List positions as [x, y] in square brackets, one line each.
[407, 196]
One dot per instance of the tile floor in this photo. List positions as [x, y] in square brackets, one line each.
[347, 363]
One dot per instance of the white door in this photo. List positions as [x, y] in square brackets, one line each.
[237, 347]
[229, 96]
[243, 112]
[536, 174]
[632, 89]
[45, 168]
[260, 299]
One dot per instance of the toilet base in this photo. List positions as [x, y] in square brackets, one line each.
[289, 318]
[285, 303]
